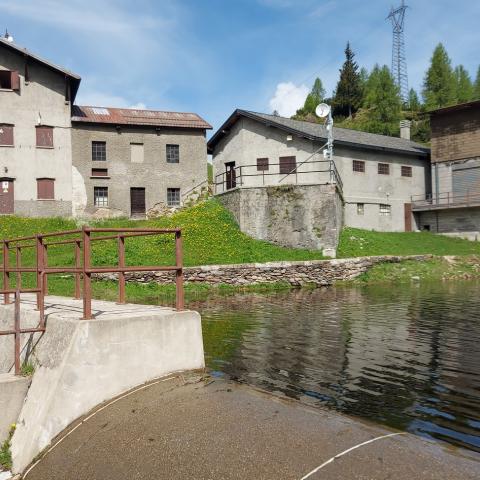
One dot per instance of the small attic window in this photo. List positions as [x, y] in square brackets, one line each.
[100, 111]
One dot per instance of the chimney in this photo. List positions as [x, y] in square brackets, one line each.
[405, 129]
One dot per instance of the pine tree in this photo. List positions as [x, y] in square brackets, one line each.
[318, 92]
[382, 99]
[316, 96]
[363, 81]
[476, 86]
[348, 94]
[463, 85]
[439, 84]
[413, 101]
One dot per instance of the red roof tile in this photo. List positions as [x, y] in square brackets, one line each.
[128, 116]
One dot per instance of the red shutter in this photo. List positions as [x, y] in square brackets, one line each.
[6, 134]
[15, 79]
[44, 136]
[45, 188]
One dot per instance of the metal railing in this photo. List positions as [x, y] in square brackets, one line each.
[445, 200]
[82, 271]
[311, 172]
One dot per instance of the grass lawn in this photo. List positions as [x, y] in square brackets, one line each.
[355, 242]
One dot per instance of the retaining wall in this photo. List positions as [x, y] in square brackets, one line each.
[318, 272]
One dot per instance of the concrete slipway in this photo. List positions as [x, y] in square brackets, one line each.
[187, 427]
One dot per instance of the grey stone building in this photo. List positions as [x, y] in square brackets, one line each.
[35, 137]
[368, 185]
[61, 159]
[134, 162]
[453, 206]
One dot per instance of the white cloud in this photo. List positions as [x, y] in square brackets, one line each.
[138, 106]
[288, 98]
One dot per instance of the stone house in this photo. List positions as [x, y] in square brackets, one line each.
[368, 185]
[57, 158]
[453, 206]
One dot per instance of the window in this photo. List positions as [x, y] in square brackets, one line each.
[45, 188]
[173, 197]
[360, 208]
[358, 166]
[136, 152]
[288, 165]
[262, 164]
[99, 172]
[385, 210]
[173, 153]
[100, 196]
[9, 80]
[384, 169]
[406, 171]
[6, 135]
[44, 136]
[99, 151]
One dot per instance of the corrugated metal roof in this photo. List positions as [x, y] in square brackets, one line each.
[128, 116]
[316, 131]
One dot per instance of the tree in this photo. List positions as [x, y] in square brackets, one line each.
[382, 101]
[316, 96]
[476, 86]
[363, 80]
[413, 101]
[439, 86]
[348, 94]
[463, 85]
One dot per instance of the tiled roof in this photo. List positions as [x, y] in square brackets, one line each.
[316, 131]
[128, 116]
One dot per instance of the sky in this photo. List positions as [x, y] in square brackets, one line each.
[213, 56]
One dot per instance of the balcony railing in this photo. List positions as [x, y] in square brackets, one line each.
[312, 172]
[445, 200]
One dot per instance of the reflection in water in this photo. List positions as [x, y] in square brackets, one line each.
[406, 356]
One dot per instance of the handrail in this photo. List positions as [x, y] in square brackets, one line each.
[82, 270]
[241, 173]
[445, 199]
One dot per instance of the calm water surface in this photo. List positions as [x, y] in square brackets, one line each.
[406, 356]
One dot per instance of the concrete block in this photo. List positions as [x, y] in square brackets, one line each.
[82, 363]
[13, 390]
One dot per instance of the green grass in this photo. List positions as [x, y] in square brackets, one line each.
[355, 242]
[5, 453]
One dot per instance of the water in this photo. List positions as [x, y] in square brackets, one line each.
[405, 356]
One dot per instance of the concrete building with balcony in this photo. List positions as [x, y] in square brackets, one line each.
[61, 159]
[453, 206]
[271, 172]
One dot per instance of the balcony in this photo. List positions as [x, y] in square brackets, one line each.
[445, 200]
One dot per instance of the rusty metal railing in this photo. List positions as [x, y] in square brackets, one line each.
[82, 271]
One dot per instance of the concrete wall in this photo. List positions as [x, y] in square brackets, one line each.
[298, 216]
[249, 140]
[43, 94]
[453, 220]
[154, 174]
[82, 363]
[13, 390]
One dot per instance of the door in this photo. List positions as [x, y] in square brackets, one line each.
[6, 196]
[137, 202]
[408, 217]
[231, 176]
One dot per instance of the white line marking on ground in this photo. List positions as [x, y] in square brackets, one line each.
[349, 450]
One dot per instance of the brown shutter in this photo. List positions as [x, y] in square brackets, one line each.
[288, 165]
[15, 79]
[6, 134]
[44, 136]
[45, 188]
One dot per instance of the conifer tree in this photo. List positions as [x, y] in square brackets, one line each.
[439, 86]
[476, 86]
[348, 94]
[463, 85]
[316, 96]
[413, 101]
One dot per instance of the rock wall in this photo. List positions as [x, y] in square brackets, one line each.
[296, 216]
[318, 272]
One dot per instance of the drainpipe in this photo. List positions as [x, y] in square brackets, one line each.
[437, 183]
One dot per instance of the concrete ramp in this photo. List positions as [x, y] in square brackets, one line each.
[81, 363]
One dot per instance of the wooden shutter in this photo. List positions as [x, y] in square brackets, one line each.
[15, 79]
[6, 134]
[288, 165]
[45, 188]
[44, 136]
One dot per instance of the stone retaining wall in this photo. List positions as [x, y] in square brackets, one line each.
[318, 272]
